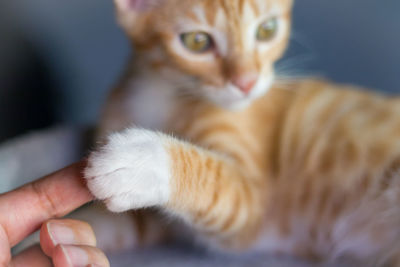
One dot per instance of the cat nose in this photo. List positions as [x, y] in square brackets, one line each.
[245, 83]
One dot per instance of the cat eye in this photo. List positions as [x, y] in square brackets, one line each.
[198, 42]
[267, 30]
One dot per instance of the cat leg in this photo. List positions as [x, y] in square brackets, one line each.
[392, 259]
[139, 168]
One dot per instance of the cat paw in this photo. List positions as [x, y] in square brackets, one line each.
[131, 171]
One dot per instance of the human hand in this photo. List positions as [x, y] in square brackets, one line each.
[65, 243]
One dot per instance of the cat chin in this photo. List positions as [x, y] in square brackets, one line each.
[236, 105]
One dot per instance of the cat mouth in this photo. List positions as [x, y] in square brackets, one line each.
[233, 97]
[229, 97]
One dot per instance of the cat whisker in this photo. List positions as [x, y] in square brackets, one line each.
[294, 68]
[301, 40]
[295, 61]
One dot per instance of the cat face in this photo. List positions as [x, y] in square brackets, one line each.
[226, 48]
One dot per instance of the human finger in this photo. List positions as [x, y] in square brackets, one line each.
[65, 232]
[52, 196]
[71, 256]
[32, 257]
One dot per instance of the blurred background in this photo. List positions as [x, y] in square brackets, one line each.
[58, 59]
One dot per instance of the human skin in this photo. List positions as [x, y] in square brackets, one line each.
[38, 205]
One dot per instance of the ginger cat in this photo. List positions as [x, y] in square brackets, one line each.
[308, 169]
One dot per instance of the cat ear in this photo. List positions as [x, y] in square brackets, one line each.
[133, 15]
[136, 5]
[130, 5]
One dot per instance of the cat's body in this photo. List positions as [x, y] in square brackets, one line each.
[306, 169]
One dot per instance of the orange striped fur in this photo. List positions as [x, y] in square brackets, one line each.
[308, 169]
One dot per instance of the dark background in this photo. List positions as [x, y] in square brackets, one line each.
[58, 59]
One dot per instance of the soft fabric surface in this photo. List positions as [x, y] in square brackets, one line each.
[37, 154]
[186, 257]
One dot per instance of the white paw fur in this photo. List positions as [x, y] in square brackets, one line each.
[131, 171]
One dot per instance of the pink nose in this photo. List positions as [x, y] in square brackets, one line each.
[245, 84]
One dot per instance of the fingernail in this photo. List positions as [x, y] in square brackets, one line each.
[60, 234]
[76, 256]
